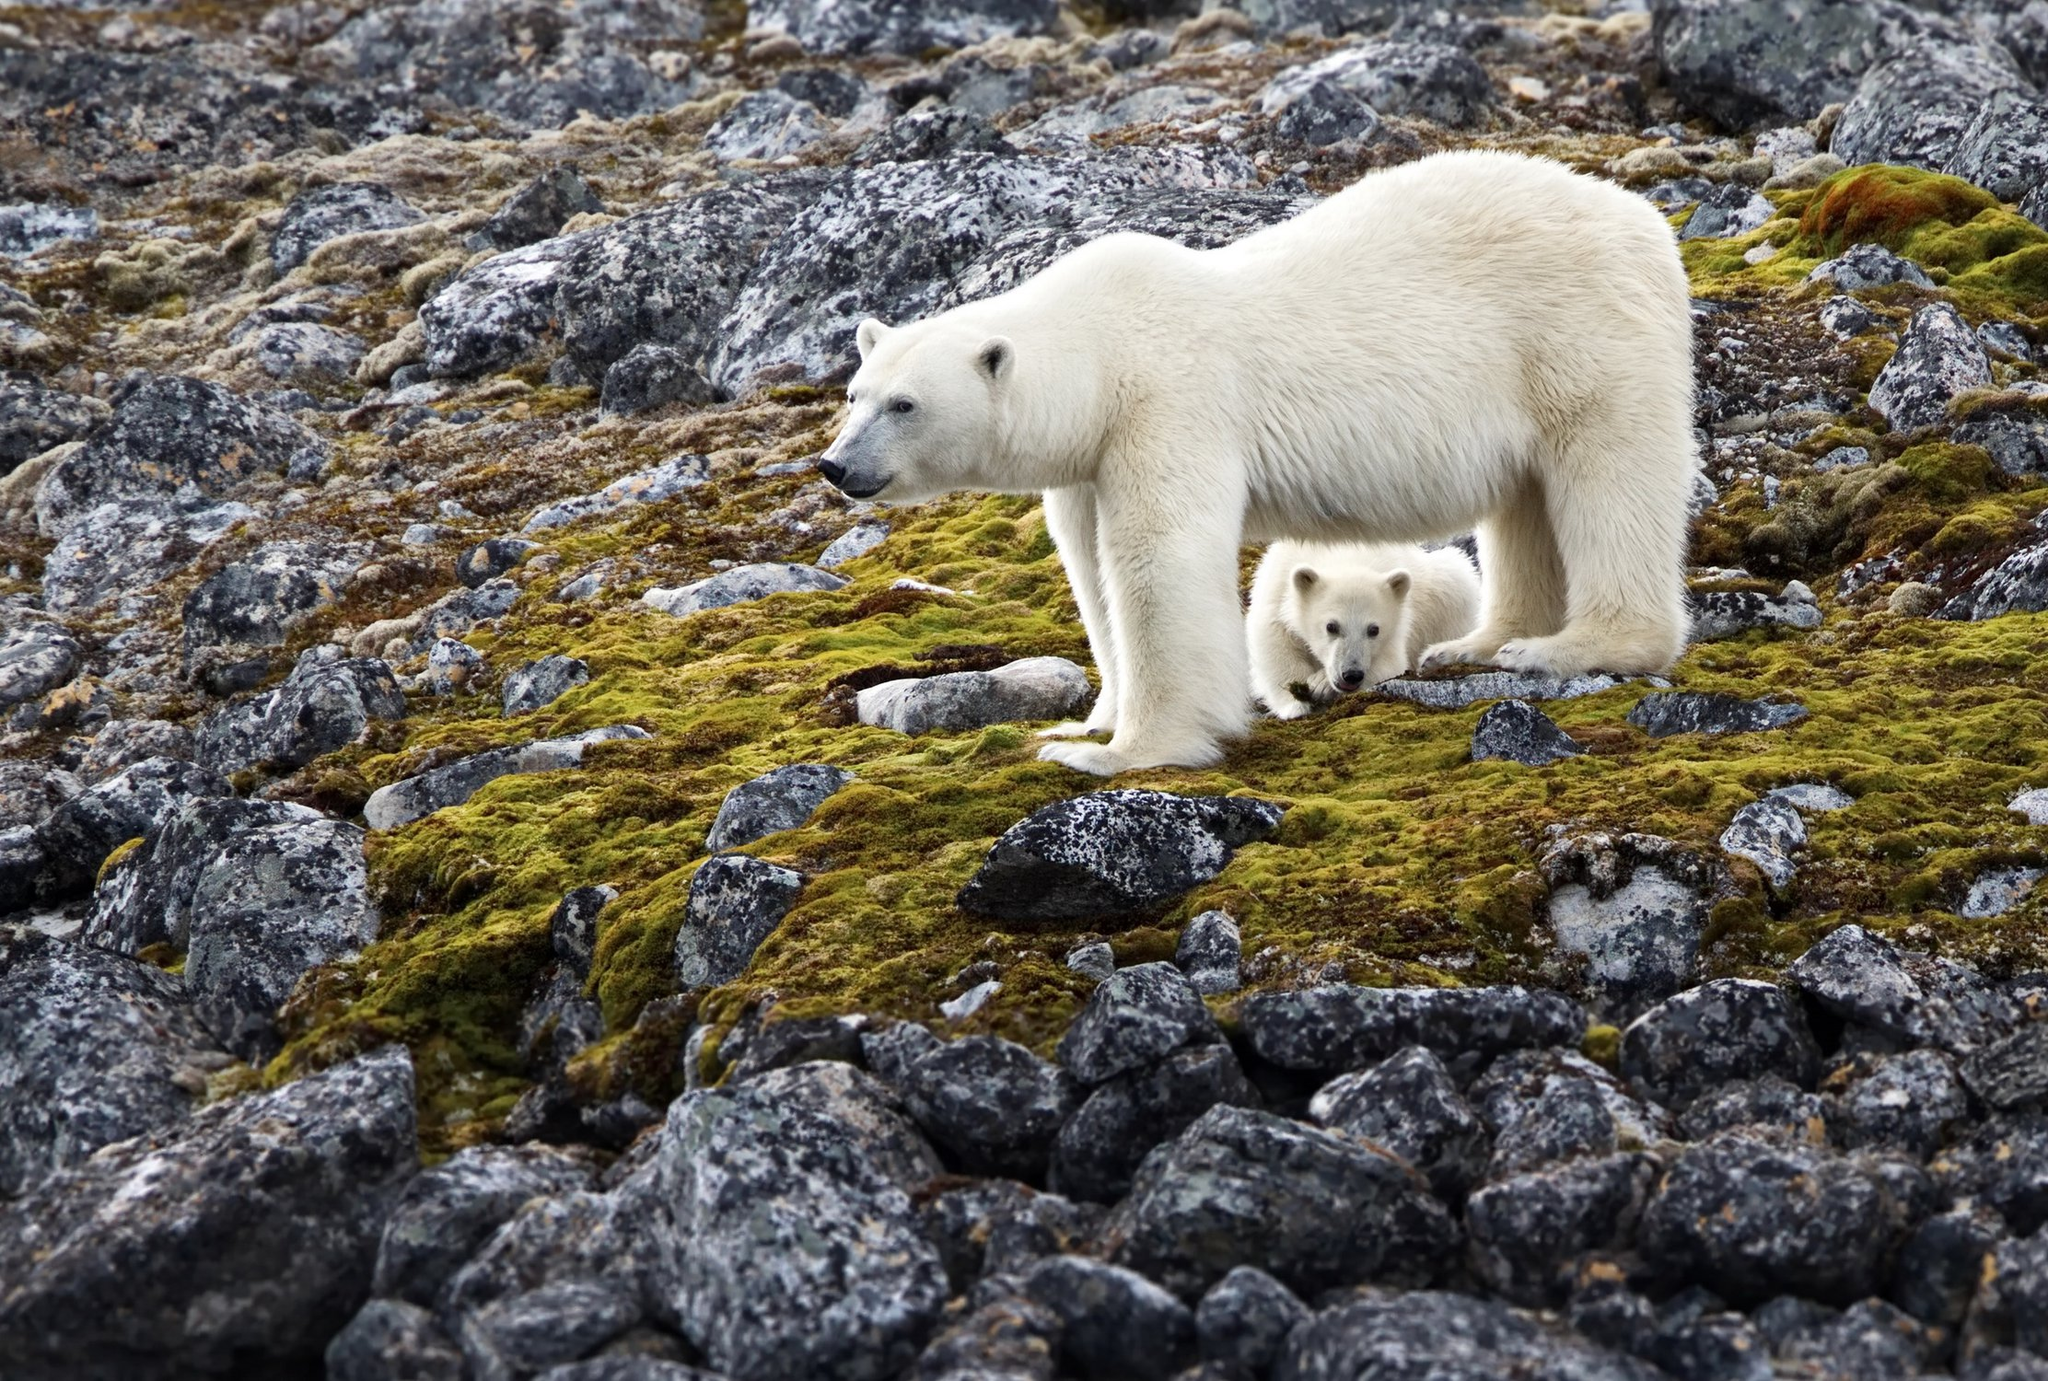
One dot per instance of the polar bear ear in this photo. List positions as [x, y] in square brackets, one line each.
[1398, 582]
[996, 356]
[1305, 578]
[867, 334]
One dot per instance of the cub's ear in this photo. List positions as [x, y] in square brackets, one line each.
[1398, 582]
[1305, 578]
[868, 332]
[996, 356]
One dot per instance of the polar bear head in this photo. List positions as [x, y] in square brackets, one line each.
[1355, 624]
[924, 411]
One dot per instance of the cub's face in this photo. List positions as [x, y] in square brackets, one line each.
[1352, 625]
[922, 412]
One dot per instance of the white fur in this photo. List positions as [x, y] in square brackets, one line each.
[1474, 338]
[1324, 612]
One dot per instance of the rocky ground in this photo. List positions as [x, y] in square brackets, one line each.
[505, 874]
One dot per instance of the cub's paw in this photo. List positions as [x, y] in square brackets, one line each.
[1073, 728]
[1287, 707]
[1097, 758]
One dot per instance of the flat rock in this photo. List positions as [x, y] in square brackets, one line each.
[1726, 1029]
[1112, 851]
[1859, 268]
[780, 799]
[1633, 911]
[1718, 614]
[1938, 358]
[1030, 689]
[1517, 731]
[741, 585]
[1456, 692]
[871, 26]
[736, 902]
[406, 801]
[663, 481]
[1664, 713]
[537, 685]
[1342, 1027]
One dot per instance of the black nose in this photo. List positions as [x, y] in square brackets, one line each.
[1352, 679]
[832, 470]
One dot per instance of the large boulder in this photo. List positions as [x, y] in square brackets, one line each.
[115, 550]
[498, 312]
[989, 1104]
[1430, 81]
[447, 1213]
[327, 213]
[257, 600]
[326, 703]
[780, 799]
[1916, 108]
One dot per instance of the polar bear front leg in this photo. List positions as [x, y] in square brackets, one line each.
[1169, 571]
[1070, 518]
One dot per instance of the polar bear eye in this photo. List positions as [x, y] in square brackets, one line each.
[902, 405]
[1332, 629]
[1372, 630]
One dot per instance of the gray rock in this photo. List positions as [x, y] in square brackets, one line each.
[2016, 585]
[1907, 999]
[740, 585]
[389, 1339]
[1244, 1320]
[1431, 81]
[626, 1366]
[2005, 341]
[498, 312]
[452, 667]
[1066, 126]
[575, 1236]
[1860, 267]
[34, 417]
[664, 481]
[874, 26]
[1133, 1017]
[258, 600]
[326, 703]
[833, 90]
[29, 791]
[1313, 1209]
[1842, 458]
[1435, 1334]
[560, 1322]
[2009, 1307]
[408, 800]
[1720, 614]
[765, 125]
[1729, 210]
[1634, 911]
[1664, 713]
[736, 901]
[1769, 1102]
[35, 660]
[2011, 1072]
[1112, 851]
[168, 431]
[1409, 1105]
[537, 685]
[989, 1104]
[1768, 834]
[538, 210]
[1916, 108]
[1530, 1232]
[487, 560]
[1099, 1149]
[116, 550]
[1750, 1218]
[1456, 692]
[78, 835]
[1030, 689]
[1845, 317]
[1008, 1337]
[459, 611]
[1547, 1107]
[1517, 731]
[1907, 1103]
[1343, 1027]
[781, 799]
[559, 1021]
[326, 213]
[1115, 1324]
[449, 1211]
[1209, 953]
[304, 353]
[119, 1265]
[651, 376]
[928, 132]
[1811, 796]
[94, 1048]
[1727, 1029]
[988, 1228]
[2031, 804]
[793, 1248]
[1939, 358]
[1322, 114]
[854, 543]
[1941, 1261]
[1094, 960]
[1997, 891]
[21, 867]
[2002, 1164]
[27, 227]
[2016, 438]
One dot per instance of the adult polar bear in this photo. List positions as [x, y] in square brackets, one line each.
[1472, 338]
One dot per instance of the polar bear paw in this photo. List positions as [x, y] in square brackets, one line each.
[1075, 728]
[1551, 656]
[1097, 758]
[1471, 651]
[1287, 707]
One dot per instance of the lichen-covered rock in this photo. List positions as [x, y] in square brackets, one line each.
[650, 376]
[1519, 732]
[854, 543]
[1768, 1101]
[740, 585]
[1906, 999]
[388, 1339]
[1529, 1232]
[2016, 585]
[2002, 1164]
[406, 801]
[1769, 834]
[1432, 1333]
[1031, 688]
[1434, 81]
[1456, 692]
[878, 26]
[116, 550]
[1342, 1027]
[2011, 1304]
[326, 213]
[1632, 910]
[1321, 114]
[29, 791]
[1938, 358]
[989, 1104]
[537, 211]
[663, 481]
[1916, 107]
[1730, 1028]
[34, 660]
[1941, 1261]
[326, 703]
[1664, 713]
[521, 1334]
[1244, 1320]
[537, 685]
[1133, 1017]
[2012, 1072]
[168, 431]
[184, 1252]
[498, 312]
[736, 901]
[1210, 952]
[1100, 1147]
[781, 799]
[1731, 613]
[1313, 1209]
[487, 560]
[1729, 210]
[989, 1228]
[94, 1048]
[1408, 1104]
[1114, 1322]
[80, 834]
[792, 1246]
[765, 125]
[1544, 1107]
[1859, 267]
[1907, 1103]
[257, 600]
[306, 353]
[34, 417]
[1112, 851]
[450, 1210]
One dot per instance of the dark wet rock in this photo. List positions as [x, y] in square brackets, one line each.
[1941, 1261]
[389, 1339]
[1312, 1208]
[491, 558]
[80, 834]
[1100, 1147]
[1529, 1232]
[651, 376]
[987, 1228]
[741, 585]
[1114, 1323]
[258, 600]
[1544, 1107]
[1456, 692]
[1730, 1028]
[1915, 108]
[1720, 614]
[115, 550]
[1906, 1103]
[1112, 851]
[1750, 1218]
[538, 210]
[1342, 1027]
[1769, 834]
[1868, 1341]
[1030, 689]
[2002, 1164]
[991, 1106]
[498, 312]
[781, 799]
[664, 481]
[1664, 713]
[1209, 953]
[450, 1210]
[2011, 1072]
[875, 26]
[327, 213]
[1517, 731]
[1321, 114]
[408, 800]
[736, 901]
[1632, 909]
[94, 1048]
[1769, 1102]
[35, 660]
[1409, 1104]
[121, 1265]
[1439, 1335]
[168, 431]
[537, 685]
[2016, 585]
[1938, 358]
[326, 703]
[1859, 267]
[1431, 81]
[793, 1246]
[1134, 1017]
[34, 417]
[1906, 999]
[1244, 1319]
[1729, 210]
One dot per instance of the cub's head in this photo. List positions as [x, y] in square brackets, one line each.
[923, 410]
[1355, 625]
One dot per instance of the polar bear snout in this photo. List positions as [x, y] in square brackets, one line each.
[844, 465]
[1351, 678]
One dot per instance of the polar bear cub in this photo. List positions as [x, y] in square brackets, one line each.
[1340, 616]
